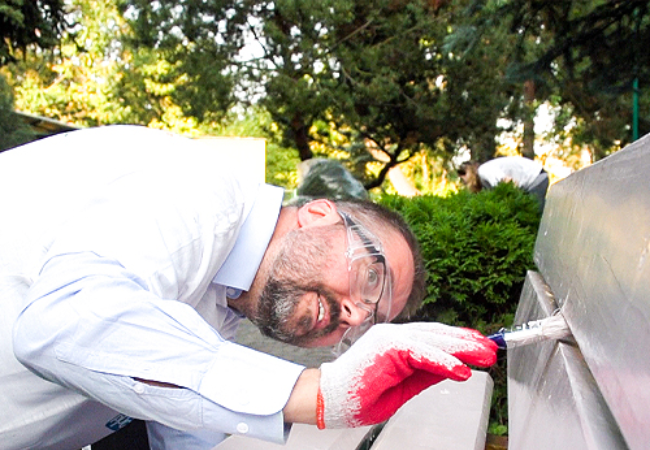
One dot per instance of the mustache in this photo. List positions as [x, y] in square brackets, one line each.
[276, 311]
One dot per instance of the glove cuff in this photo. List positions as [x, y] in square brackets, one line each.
[338, 405]
[320, 410]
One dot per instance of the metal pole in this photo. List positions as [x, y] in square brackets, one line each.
[635, 109]
[635, 83]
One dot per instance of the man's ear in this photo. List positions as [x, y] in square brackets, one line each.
[318, 212]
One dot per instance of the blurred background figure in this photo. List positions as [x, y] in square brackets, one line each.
[525, 173]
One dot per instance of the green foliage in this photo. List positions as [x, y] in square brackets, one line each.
[477, 249]
[13, 131]
[26, 22]
[375, 71]
[394, 77]
[281, 165]
[199, 40]
[584, 54]
[75, 83]
[96, 77]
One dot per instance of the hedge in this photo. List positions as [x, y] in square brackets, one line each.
[477, 249]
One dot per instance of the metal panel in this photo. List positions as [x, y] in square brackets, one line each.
[448, 415]
[592, 249]
[553, 400]
[302, 437]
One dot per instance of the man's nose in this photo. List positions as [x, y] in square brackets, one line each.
[353, 314]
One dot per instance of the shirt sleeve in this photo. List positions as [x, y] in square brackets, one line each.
[165, 438]
[111, 306]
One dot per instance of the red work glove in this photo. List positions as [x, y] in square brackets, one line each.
[391, 364]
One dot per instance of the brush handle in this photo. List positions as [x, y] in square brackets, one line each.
[499, 339]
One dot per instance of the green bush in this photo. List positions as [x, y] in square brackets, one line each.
[477, 249]
[13, 131]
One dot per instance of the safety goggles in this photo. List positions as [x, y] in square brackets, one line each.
[369, 279]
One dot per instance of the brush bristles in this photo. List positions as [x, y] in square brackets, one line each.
[550, 328]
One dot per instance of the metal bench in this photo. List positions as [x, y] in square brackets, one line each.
[592, 391]
[446, 416]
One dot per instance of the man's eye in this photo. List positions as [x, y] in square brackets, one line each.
[373, 277]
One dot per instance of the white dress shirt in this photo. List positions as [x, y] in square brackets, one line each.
[117, 246]
[522, 171]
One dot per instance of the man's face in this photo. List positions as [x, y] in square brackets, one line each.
[295, 296]
[306, 299]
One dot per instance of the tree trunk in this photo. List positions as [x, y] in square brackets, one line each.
[301, 137]
[484, 148]
[528, 148]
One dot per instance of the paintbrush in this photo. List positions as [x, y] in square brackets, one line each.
[550, 328]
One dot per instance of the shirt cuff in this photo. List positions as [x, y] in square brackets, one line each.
[270, 428]
[248, 381]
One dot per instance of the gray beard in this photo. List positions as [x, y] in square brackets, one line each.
[277, 306]
[297, 270]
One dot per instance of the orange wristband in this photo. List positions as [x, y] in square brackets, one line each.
[320, 411]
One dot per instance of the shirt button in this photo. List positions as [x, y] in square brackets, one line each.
[242, 428]
[233, 293]
[139, 388]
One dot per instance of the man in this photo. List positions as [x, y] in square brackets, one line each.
[526, 174]
[127, 257]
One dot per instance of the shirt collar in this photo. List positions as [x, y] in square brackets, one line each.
[243, 261]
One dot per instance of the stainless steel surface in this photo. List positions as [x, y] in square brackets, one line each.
[592, 249]
[448, 415]
[302, 437]
[553, 400]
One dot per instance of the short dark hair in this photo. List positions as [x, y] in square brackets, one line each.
[375, 216]
[469, 170]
